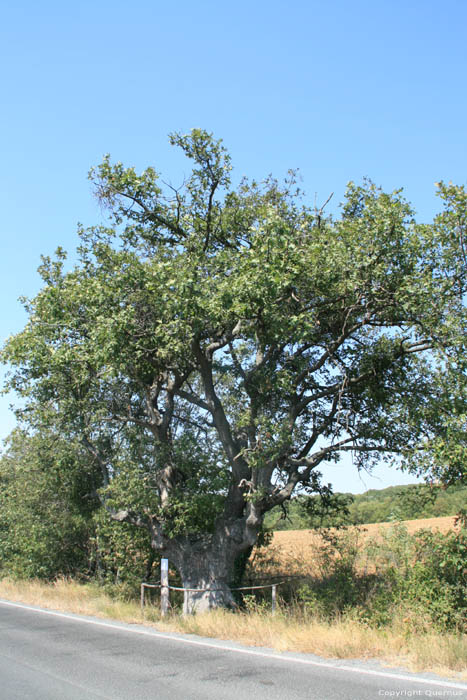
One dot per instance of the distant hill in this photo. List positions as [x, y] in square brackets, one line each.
[375, 506]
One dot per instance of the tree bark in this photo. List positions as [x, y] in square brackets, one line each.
[205, 567]
[206, 564]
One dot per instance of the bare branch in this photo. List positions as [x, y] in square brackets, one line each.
[195, 400]
[154, 216]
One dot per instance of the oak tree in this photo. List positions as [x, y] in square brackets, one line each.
[215, 344]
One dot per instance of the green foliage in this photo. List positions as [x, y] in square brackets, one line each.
[407, 503]
[46, 508]
[52, 523]
[326, 509]
[122, 556]
[418, 579]
[339, 588]
[212, 346]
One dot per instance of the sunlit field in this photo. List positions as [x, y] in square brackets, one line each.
[405, 640]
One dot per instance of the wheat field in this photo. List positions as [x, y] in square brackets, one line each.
[303, 542]
[296, 552]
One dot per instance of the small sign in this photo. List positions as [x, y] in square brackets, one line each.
[164, 564]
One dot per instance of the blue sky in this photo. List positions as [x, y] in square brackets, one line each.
[338, 89]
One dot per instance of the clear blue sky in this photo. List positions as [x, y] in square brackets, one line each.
[338, 89]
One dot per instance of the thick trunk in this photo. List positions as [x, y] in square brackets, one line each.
[206, 571]
[207, 563]
[209, 594]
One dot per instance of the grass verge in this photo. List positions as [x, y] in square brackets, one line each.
[398, 645]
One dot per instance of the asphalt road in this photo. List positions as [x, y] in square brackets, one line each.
[46, 655]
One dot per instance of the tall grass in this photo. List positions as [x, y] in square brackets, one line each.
[400, 598]
[288, 630]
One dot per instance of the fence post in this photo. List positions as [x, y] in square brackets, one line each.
[164, 587]
[273, 606]
[142, 596]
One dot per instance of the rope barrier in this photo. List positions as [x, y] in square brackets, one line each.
[168, 588]
[211, 590]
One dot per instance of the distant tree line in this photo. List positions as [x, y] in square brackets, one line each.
[374, 506]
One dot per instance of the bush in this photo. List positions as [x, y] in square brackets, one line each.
[420, 579]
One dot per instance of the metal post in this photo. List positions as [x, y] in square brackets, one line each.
[273, 606]
[142, 596]
[164, 587]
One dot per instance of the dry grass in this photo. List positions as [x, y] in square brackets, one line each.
[445, 654]
[70, 596]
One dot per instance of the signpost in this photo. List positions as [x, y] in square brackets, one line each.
[164, 587]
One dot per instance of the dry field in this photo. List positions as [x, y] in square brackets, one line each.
[297, 552]
[400, 645]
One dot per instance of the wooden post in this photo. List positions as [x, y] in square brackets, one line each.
[142, 596]
[164, 587]
[273, 606]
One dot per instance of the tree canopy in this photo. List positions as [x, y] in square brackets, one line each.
[215, 344]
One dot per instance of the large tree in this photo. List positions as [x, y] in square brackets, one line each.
[214, 345]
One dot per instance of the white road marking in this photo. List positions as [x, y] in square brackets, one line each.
[236, 650]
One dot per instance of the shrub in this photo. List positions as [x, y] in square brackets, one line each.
[418, 579]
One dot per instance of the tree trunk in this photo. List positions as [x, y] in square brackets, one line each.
[206, 571]
[206, 563]
[217, 595]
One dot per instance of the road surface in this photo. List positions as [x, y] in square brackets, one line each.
[47, 655]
